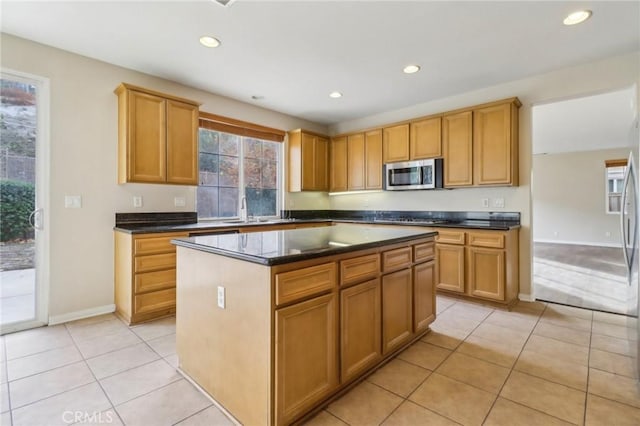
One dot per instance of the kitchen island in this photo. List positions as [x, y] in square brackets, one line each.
[274, 324]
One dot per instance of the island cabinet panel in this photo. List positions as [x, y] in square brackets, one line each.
[457, 149]
[395, 143]
[306, 364]
[424, 296]
[338, 164]
[397, 309]
[423, 252]
[396, 259]
[360, 314]
[359, 268]
[425, 138]
[301, 283]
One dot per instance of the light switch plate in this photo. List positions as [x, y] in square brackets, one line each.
[72, 201]
[221, 297]
[137, 201]
[179, 201]
[485, 202]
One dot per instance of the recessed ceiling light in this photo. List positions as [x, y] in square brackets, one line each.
[410, 69]
[257, 97]
[224, 3]
[209, 41]
[577, 17]
[335, 95]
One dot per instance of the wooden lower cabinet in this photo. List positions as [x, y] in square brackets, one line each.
[360, 322]
[486, 273]
[306, 358]
[480, 264]
[450, 268]
[424, 296]
[397, 307]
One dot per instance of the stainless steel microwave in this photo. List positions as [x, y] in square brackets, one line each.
[419, 174]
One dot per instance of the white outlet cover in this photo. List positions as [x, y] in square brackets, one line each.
[485, 202]
[221, 297]
[72, 201]
[137, 201]
[179, 201]
[499, 202]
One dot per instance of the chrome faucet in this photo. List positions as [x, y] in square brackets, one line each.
[243, 209]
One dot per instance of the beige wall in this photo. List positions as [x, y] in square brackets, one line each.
[569, 198]
[606, 75]
[83, 146]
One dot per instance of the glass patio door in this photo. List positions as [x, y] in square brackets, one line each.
[23, 255]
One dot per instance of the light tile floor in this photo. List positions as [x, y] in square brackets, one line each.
[540, 364]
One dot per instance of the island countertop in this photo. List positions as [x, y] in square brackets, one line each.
[285, 246]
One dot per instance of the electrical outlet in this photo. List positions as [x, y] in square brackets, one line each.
[221, 297]
[555, 233]
[499, 203]
[137, 201]
[485, 202]
[179, 201]
[72, 201]
[607, 234]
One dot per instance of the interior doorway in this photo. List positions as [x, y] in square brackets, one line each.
[23, 193]
[580, 150]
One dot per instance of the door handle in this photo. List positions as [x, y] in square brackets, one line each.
[34, 219]
[623, 228]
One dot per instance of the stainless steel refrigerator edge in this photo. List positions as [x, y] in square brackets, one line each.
[629, 235]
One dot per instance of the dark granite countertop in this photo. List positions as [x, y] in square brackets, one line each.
[207, 226]
[292, 245]
[494, 225]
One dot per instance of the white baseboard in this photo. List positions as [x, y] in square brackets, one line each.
[526, 297]
[580, 243]
[85, 313]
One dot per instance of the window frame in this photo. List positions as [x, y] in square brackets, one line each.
[241, 180]
[619, 168]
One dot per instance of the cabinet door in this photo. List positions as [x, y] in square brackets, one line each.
[450, 267]
[424, 295]
[361, 328]
[307, 167]
[397, 307]
[395, 143]
[493, 146]
[147, 138]
[338, 165]
[182, 143]
[356, 160]
[306, 356]
[321, 164]
[425, 139]
[486, 273]
[457, 149]
[373, 161]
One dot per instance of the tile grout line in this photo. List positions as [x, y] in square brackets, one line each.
[586, 394]
[113, 407]
[192, 415]
[513, 367]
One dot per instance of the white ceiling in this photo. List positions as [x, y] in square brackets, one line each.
[602, 121]
[295, 52]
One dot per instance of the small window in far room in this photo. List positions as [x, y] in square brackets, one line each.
[614, 170]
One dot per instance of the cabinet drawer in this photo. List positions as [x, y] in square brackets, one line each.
[396, 259]
[155, 301]
[155, 262]
[152, 281]
[446, 236]
[486, 239]
[295, 285]
[424, 251]
[142, 246]
[359, 268]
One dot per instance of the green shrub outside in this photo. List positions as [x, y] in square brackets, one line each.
[16, 204]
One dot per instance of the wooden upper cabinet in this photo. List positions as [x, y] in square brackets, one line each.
[395, 143]
[373, 162]
[356, 161]
[425, 138]
[338, 164]
[308, 161]
[495, 140]
[457, 149]
[182, 143]
[157, 137]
